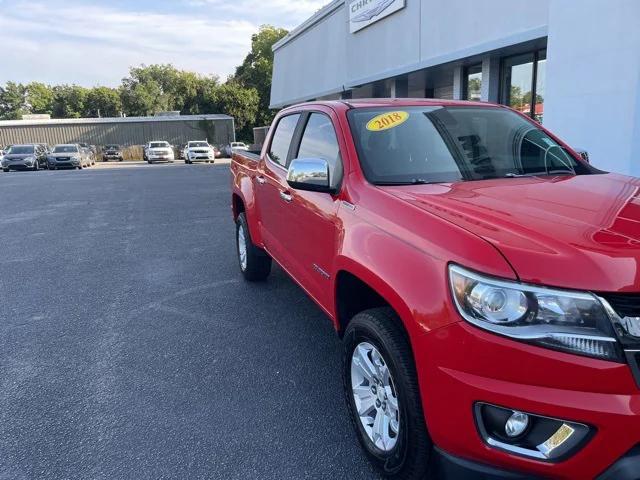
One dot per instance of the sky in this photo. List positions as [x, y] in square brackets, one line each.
[91, 42]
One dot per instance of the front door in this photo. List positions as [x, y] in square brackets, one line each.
[311, 217]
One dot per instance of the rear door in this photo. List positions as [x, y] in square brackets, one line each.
[271, 187]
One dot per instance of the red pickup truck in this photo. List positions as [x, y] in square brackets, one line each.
[484, 278]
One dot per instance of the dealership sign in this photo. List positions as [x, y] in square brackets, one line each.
[363, 13]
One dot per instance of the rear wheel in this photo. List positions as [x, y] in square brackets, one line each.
[5, 170]
[381, 390]
[254, 262]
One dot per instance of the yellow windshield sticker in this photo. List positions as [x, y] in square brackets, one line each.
[387, 121]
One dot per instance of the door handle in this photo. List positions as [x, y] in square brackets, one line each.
[286, 197]
[261, 180]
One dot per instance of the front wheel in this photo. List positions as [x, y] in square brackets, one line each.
[382, 394]
[254, 262]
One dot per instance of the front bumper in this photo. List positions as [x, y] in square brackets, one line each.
[460, 365]
[71, 163]
[20, 164]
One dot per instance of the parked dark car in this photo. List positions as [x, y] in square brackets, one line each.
[25, 157]
[112, 152]
[180, 149]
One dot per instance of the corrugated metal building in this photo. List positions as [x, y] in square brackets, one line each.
[217, 129]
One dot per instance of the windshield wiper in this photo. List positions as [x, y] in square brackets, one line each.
[539, 174]
[413, 181]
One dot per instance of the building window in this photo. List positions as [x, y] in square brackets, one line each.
[523, 84]
[473, 83]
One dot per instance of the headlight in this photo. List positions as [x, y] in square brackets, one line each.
[575, 322]
[30, 159]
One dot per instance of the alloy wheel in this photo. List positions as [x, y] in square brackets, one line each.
[375, 396]
[242, 247]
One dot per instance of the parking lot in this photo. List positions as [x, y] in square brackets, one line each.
[130, 347]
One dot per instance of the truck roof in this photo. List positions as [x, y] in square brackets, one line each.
[397, 102]
[393, 102]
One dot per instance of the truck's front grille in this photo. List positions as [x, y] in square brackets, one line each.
[625, 304]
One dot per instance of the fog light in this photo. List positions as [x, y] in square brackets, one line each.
[534, 436]
[517, 424]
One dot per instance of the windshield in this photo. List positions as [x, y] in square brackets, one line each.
[112, 147]
[21, 149]
[158, 145]
[198, 144]
[449, 144]
[65, 149]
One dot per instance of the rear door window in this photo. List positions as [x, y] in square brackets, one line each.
[279, 150]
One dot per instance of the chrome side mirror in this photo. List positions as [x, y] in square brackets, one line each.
[311, 174]
[583, 154]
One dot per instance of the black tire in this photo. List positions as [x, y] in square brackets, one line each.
[409, 458]
[5, 170]
[258, 265]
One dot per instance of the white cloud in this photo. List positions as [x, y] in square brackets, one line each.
[59, 42]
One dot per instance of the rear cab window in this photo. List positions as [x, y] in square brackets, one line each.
[281, 141]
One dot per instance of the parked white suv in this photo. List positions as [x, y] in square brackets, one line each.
[159, 152]
[199, 151]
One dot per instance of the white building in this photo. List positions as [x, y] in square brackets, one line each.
[580, 60]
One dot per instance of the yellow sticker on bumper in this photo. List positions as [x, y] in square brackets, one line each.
[387, 121]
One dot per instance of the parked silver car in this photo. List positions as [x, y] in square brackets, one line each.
[25, 157]
[159, 152]
[69, 156]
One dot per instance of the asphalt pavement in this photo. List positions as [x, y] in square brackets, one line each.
[130, 347]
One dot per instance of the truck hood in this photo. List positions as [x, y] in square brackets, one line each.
[580, 232]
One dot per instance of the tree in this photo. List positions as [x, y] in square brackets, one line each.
[103, 102]
[153, 88]
[40, 98]
[239, 102]
[69, 101]
[256, 69]
[13, 101]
